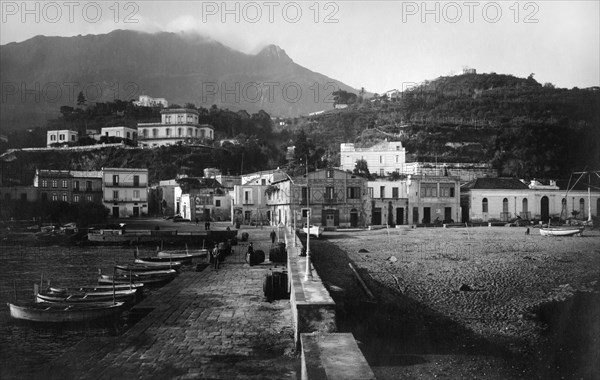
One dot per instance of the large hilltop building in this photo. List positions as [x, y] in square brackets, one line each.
[147, 101]
[177, 126]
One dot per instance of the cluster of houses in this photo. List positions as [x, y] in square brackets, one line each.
[421, 194]
[177, 125]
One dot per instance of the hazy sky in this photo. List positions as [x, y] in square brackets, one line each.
[379, 45]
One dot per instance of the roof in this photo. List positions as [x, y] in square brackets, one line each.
[495, 183]
[179, 110]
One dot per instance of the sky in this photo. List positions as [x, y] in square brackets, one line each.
[378, 45]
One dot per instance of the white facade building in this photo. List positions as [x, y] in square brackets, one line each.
[176, 126]
[147, 101]
[383, 158]
[125, 191]
[61, 136]
[123, 132]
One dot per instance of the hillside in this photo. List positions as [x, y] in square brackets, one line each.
[523, 128]
[182, 68]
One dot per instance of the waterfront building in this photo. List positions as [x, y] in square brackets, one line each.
[125, 191]
[506, 199]
[382, 159]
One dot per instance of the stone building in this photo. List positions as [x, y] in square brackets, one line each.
[177, 126]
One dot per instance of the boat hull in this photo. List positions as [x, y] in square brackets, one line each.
[137, 267]
[126, 296]
[98, 288]
[556, 231]
[65, 313]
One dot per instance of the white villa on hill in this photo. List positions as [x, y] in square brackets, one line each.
[177, 125]
[61, 136]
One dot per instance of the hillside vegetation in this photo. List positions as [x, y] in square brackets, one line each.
[521, 127]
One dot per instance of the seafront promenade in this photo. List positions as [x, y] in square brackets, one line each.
[211, 324]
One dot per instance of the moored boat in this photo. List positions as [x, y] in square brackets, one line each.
[184, 254]
[158, 263]
[97, 288]
[138, 267]
[63, 312]
[147, 278]
[127, 296]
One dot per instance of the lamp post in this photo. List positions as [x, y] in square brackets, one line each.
[294, 231]
[308, 276]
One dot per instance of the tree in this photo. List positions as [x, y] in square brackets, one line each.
[362, 168]
[81, 99]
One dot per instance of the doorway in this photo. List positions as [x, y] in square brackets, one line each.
[376, 218]
[400, 215]
[545, 209]
[426, 215]
[115, 211]
[353, 218]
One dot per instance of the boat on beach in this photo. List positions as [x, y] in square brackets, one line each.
[315, 231]
[561, 231]
[64, 312]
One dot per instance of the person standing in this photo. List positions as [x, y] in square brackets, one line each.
[272, 235]
[215, 256]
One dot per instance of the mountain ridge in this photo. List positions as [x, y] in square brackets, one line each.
[45, 72]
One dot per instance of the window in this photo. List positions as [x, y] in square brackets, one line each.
[381, 191]
[61, 137]
[54, 183]
[446, 190]
[64, 197]
[525, 206]
[329, 173]
[329, 192]
[484, 205]
[353, 193]
[202, 133]
[115, 180]
[115, 194]
[128, 135]
[179, 132]
[217, 203]
[248, 196]
[76, 198]
[154, 132]
[52, 137]
[54, 197]
[370, 190]
[505, 205]
[64, 183]
[168, 132]
[429, 190]
[179, 119]
[394, 192]
[381, 159]
[396, 158]
[72, 137]
[168, 119]
[263, 181]
[136, 194]
[44, 183]
[118, 134]
[88, 198]
[381, 173]
[76, 185]
[305, 193]
[88, 185]
[582, 206]
[136, 180]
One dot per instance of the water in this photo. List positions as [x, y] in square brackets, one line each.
[25, 348]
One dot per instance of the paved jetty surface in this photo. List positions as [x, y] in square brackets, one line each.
[208, 325]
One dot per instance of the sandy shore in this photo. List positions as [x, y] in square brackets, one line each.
[487, 302]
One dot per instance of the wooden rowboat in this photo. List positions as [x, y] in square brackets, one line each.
[175, 264]
[147, 278]
[561, 231]
[65, 313]
[119, 295]
[137, 267]
[97, 288]
[184, 254]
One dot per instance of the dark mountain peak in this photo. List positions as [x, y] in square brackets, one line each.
[274, 53]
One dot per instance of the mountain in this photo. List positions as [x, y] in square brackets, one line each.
[41, 74]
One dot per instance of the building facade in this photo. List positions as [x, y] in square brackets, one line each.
[507, 199]
[383, 158]
[62, 136]
[176, 126]
[148, 101]
[249, 204]
[125, 191]
[122, 132]
[334, 197]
